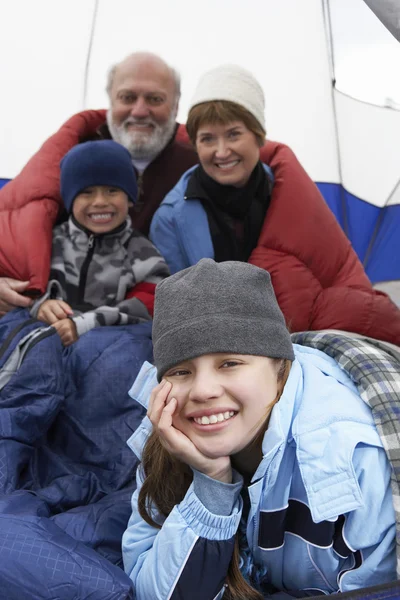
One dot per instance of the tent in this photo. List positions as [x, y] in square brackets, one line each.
[329, 69]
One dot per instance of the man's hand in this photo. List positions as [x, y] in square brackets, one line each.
[11, 294]
[52, 311]
[66, 329]
[160, 412]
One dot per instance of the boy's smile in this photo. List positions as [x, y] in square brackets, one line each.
[100, 208]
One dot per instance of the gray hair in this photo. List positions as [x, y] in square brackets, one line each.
[174, 74]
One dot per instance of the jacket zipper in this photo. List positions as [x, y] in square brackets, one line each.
[137, 207]
[256, 518]
[85, 268]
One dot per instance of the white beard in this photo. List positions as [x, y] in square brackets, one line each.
[142, 146]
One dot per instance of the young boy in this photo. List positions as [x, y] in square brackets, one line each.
[103, 272]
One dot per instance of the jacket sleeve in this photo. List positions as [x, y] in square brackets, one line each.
[149, 268]
[144, 292]
[54, 291]
[370, 550]
[318, 279]
[129, 311]
[164, 235]
[29, 204]
[187, 558]
[346, 302]
[358, 307]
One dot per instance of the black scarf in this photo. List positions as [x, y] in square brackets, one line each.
[229, 208]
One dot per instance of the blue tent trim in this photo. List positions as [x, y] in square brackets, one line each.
[3, 182]
[383, 262]
[371, 230]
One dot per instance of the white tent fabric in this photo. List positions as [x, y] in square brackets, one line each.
[55, 61]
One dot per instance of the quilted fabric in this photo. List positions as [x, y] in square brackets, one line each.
[66, 473]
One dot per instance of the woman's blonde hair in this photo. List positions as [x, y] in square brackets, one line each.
[222, 112]
[167, 480]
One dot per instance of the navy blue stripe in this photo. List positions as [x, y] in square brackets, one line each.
[271, 533]
[205, 571]
[339, 545]
[297, 519]
[357, 564]
[300, 522]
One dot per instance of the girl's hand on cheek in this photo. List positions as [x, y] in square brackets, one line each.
[160, 412]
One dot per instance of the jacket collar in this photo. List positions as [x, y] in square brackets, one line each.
[81, 235]
[330, 490]
[323, 457]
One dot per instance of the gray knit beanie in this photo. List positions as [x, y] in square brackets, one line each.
[233, 83]
[217, 307]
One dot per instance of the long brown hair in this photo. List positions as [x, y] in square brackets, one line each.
[222, 112]
[167, 480]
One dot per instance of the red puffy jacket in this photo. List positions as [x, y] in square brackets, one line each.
[318, 279]
[29, 204]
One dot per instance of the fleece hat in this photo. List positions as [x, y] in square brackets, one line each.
[233, 83]
[103, 162]
[217, 307]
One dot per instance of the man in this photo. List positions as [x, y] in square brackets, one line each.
[144, 95]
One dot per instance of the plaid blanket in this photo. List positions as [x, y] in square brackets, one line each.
[375, 369]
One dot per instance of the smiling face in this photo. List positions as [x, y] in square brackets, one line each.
[228, 153]
[143, 105]
[100, 208]
[223, 400]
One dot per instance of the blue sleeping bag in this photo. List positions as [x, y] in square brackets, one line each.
[66, 473]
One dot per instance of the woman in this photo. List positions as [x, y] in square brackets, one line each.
[263, 464]
[235, 207]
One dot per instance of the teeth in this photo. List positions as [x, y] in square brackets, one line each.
[228, 165]
[218, 418]
[101, 217]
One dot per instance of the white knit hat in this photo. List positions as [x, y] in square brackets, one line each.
[233, 83]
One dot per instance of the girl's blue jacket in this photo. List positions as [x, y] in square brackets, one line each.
[320, 516]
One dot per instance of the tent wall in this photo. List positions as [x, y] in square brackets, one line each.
[288, 55]
[58, 55]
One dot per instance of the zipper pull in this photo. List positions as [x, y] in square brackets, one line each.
[90, 241]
